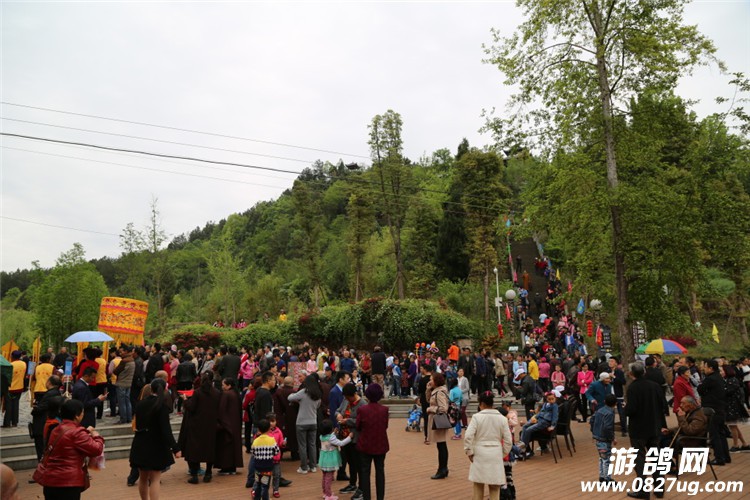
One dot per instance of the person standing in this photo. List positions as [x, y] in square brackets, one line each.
[13, 398]
[101, 380]
[42, 373]
[466, 363]
[153, 444]
[186, 374]
[424, 397]
[713, 395]
[487, 441]
[378, 367]
[372, 442]
[229, 432]
[439, 404]
[229, 364]
[40, 410]
[197, 438]
[645, 412]
[70, 443]
[125, 372]
[346, 417]
[82, 392]
[309, 400]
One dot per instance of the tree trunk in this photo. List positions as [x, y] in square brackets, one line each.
[627, 344]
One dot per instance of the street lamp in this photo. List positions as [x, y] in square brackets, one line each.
[498, 300]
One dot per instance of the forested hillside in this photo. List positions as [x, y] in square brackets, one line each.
[434, 228]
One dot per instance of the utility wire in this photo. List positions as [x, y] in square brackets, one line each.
[166, 127]
[157, 140]
[243, 165]
[403, 205]
[147, 168]
[59, 227]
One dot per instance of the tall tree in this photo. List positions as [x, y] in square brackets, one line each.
[161, 276]
[576, 63]
[361, 223]
[309, 220]
[479, 173]
[226, 271]
[68, 298]
[393, 178]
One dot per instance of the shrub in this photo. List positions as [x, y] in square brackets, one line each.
[685, 341]
[190, 336]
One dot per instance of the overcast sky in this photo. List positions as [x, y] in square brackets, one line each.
[303, 74]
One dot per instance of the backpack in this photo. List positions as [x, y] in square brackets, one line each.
[454, 413]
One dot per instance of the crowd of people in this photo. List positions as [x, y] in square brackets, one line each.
[330, 419]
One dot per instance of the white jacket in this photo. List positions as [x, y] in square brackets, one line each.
[488, 440]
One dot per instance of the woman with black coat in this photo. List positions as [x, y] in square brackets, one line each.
[153, 445]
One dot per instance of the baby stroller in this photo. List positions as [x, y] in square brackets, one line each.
[413, 422]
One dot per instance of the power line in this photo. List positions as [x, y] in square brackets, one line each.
[213, 134]
[59, 227]
[157, 140]
[242, 165]
[322, 183]
[146, 168]
[161, 155]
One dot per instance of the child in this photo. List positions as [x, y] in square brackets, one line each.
[330, 458]
[558, 377]
[276, 433]
[512, 417]
[603, 430]
[455, 396]
[264, 450]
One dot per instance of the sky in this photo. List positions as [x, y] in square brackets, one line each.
[291, 82]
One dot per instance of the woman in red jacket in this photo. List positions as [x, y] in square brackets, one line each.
[372, 443]
[682, 387]
[69, 444]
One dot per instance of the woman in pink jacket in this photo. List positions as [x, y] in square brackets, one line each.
[585, 379]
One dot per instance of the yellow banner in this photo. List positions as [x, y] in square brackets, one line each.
[8, 348]
[36, 350]
[124, 319]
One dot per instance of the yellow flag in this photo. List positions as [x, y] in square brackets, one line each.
[557, 275]
[715, 333]
[36, 350]
[81, 347]
[8, 348]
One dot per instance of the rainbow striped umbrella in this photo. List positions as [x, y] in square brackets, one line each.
[662, 346]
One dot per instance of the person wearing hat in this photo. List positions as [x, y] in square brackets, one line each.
[526, 390]
[13, 397]
[598, 390]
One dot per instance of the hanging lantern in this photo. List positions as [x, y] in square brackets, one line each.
[500, 330]
[589, 328]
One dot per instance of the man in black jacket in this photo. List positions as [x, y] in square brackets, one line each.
[229, 364]
[39, 412]
[82, 392]
[714, 395]
[378, 367]
[466, 363]
[645, 412]
[186, 374]
[154, 363]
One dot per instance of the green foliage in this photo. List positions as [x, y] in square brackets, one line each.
[67, 300]
[393, 324]
[256, 335]
[20, 326]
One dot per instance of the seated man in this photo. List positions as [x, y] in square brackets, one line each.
[691, 422]
[541, 424]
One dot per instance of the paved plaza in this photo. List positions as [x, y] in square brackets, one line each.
[409, 465]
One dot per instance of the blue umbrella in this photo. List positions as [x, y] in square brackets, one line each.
[89, 337]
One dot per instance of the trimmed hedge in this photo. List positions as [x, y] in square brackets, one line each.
[394, 324]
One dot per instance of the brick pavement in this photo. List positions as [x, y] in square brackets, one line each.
[408, 468]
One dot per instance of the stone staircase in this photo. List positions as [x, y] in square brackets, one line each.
[18, 453]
